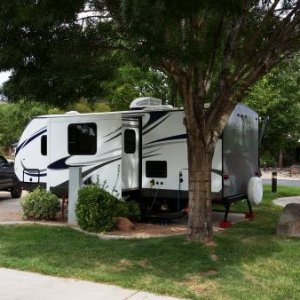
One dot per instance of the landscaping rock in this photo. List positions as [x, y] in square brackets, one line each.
[289, 221]
[124, 224]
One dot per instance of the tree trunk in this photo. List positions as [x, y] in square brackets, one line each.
[204, 127]
[200, 211]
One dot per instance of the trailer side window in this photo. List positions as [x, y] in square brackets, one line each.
[44, 144]
[82, 139]
[129, 141]
[156, 168]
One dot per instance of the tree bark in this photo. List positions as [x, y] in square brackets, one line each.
[204, 127]
[200, 211]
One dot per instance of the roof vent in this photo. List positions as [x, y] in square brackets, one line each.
[143, 102]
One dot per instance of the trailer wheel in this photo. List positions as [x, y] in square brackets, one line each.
[16, 191]
[255, 190]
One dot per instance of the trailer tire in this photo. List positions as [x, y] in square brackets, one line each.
[255, 190]
[16, 191]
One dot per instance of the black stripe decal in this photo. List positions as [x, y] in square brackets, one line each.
[153, 151]
[165, 144]
[35, 174]
[155, 116]
[171, 138]
[156, 125]
[114, 137]
[87, 172]
[59, 164]
[151, 155]
[113, 132]
[218, 172]
[25, 143]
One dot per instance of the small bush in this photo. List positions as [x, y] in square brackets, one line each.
[95, 209]
[128, 209]
[40, 205]
[121, 209]
[134, 210]
[266, 160]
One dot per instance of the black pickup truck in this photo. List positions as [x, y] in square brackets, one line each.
[8, 180]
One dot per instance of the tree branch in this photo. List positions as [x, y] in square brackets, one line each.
[227, 60]
[92, 17]
[216, 44]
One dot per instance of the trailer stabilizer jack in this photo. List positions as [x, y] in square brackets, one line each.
[225, 224]
[250, 216]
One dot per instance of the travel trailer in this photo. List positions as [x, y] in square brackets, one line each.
[140, 153]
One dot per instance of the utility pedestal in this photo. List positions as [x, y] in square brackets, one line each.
[75, 182]
[274, 182]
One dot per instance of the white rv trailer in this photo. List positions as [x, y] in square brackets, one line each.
[141, 153]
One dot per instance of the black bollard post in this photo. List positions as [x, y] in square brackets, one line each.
[274, 182]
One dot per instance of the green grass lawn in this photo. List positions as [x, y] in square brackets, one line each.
[248, 261]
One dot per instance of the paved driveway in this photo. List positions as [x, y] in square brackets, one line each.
[283, 182]
[10, 209]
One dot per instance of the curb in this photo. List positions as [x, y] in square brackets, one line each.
[286, 200]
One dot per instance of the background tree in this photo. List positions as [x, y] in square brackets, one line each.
[131, 81]
[14, 117]
[277, 95]
[54, 57]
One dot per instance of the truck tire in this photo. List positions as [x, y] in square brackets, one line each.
[255, 190]
[16, 191]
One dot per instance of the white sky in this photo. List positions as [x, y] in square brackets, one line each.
[4, 76]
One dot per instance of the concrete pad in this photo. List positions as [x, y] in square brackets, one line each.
[19, 285]
[286, 200]
[232, 217]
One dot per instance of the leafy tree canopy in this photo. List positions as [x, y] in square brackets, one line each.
[14, 117]
[53, 57]
[277, 96]
[131, 82]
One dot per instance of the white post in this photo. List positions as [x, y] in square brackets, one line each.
[75, 182]
[47, 186]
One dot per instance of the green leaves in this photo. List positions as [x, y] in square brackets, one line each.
[131, 82]
[53, 57]
[14, 117]
[277, 95]
[40, 205]
[96, 209]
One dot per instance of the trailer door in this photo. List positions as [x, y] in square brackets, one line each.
[131, 167]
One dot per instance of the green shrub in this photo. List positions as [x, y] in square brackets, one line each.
[121, 208]
[267, 160]
[128, 209]
[134, 210]
[96, 209]
[40, 205]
